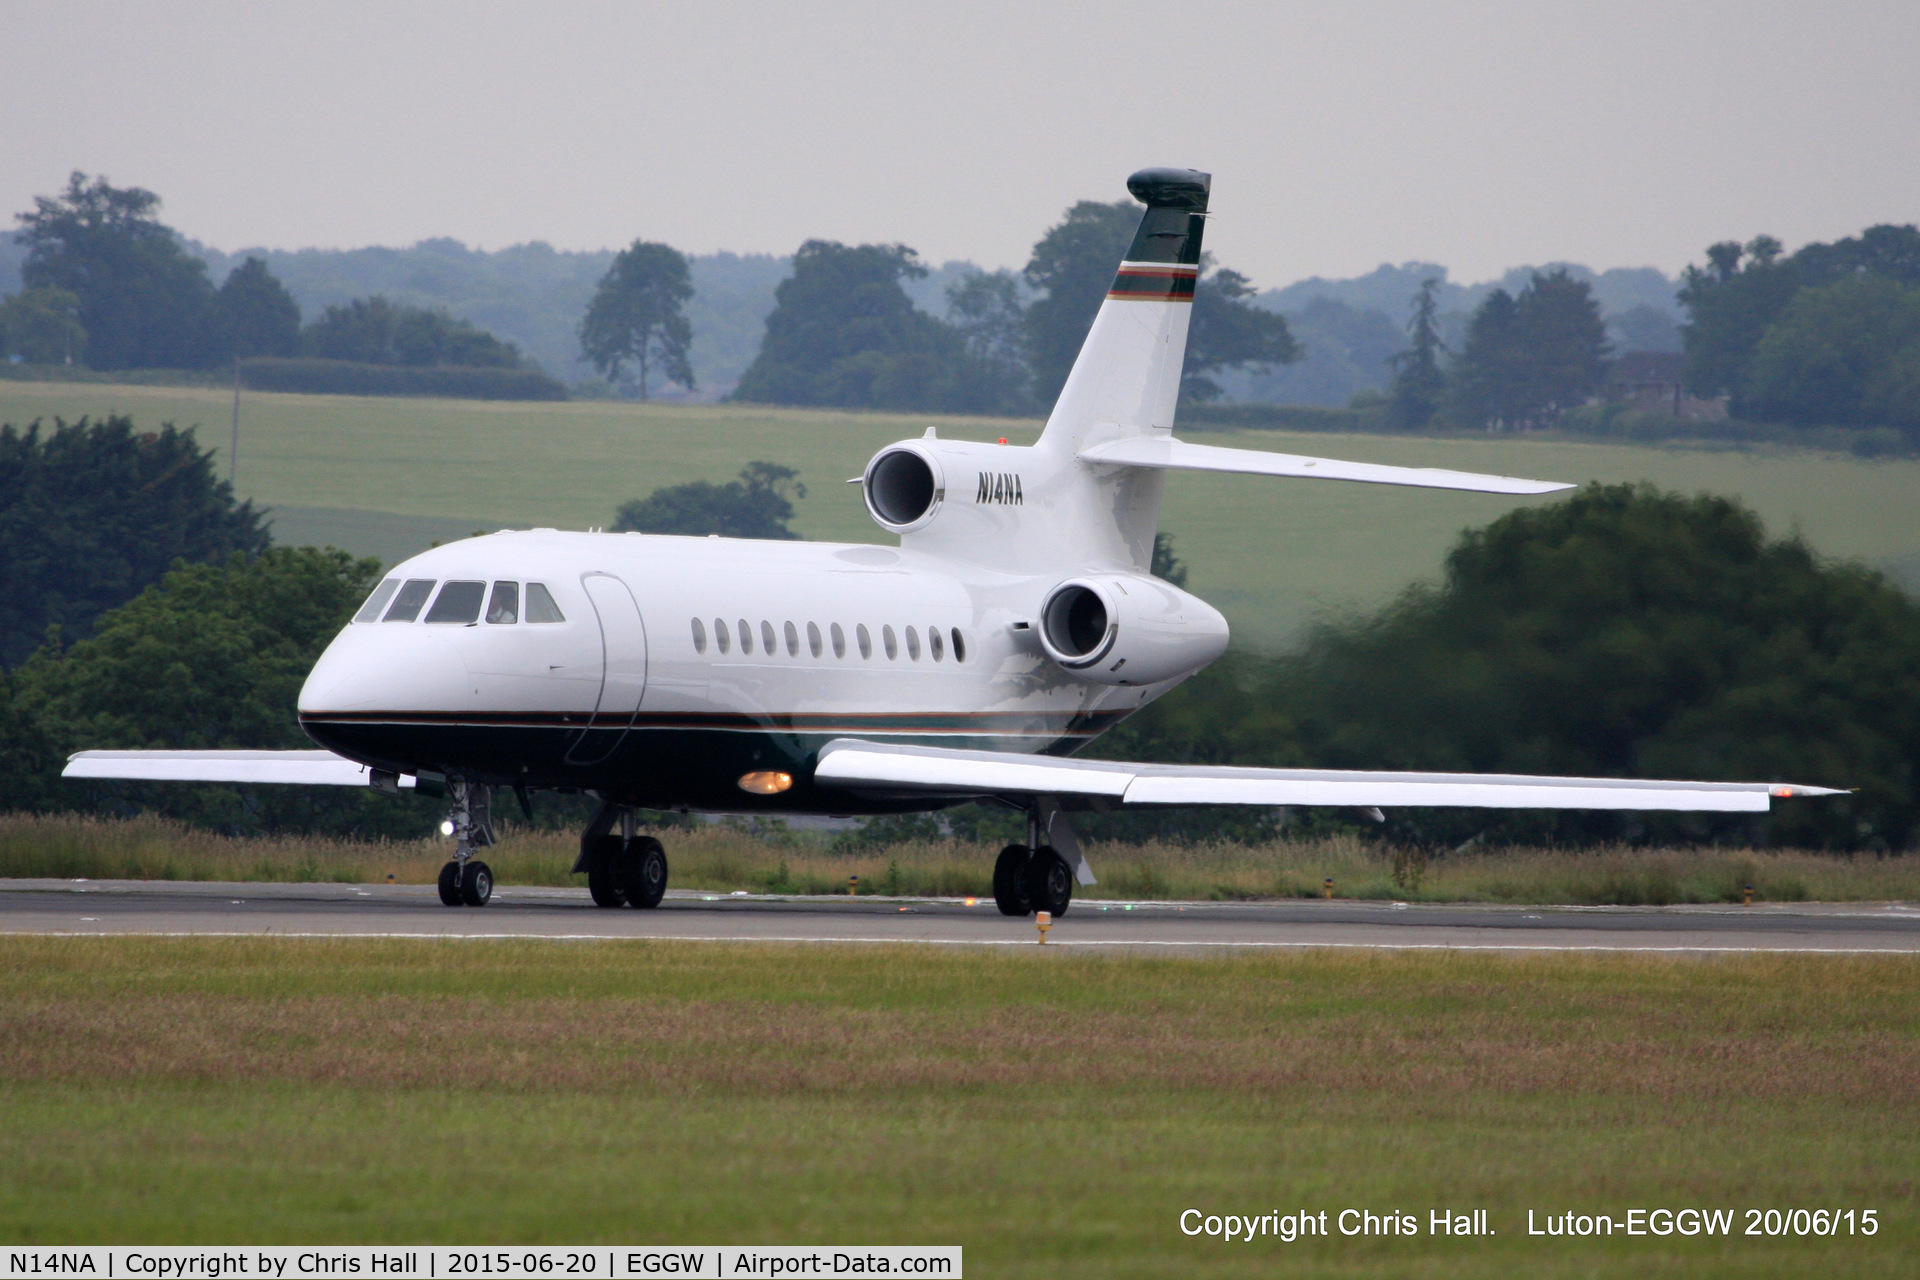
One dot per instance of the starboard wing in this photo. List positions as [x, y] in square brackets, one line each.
[858, 765]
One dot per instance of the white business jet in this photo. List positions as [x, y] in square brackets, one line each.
[1014, 622]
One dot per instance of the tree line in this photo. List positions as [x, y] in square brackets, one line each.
[109, 286]
[844, 333]
[1827, 335]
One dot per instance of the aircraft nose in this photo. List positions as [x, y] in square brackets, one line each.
[387, 668]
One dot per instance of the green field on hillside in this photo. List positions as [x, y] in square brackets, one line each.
[388, 476]
[1053, 1112]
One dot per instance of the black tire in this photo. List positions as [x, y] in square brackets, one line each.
[476, 883]
[1049, 883]
[603, 873]
[450, 885]
[1010, 881]
[643, 872]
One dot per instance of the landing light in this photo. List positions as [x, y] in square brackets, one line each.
[446, 828]
[765, 782]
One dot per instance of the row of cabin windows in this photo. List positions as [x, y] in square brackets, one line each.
[458, 602]
[723, 639]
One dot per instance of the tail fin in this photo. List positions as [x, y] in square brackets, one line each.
[1126, 380]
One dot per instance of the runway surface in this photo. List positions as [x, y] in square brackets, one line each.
[125, 907]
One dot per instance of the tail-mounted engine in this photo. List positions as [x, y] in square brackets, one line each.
[904, 486]
[1128, 629]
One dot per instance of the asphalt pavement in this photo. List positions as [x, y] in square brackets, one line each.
[124, 907]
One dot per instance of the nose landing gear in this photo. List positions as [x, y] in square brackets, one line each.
[625, 869]
[466, 881]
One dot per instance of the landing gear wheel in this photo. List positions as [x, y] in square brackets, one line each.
[603, 873]
[1049, 882]
[643, 872]
[1010, 881]
[476, 883]
[450, 885]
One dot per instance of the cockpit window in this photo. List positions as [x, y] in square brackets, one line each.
[458, 602]
[540, 605]
[377, 601]
[406, 605]
[505, 605]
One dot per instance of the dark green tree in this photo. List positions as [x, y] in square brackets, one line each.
[638, 314]
[1419, 383]
[144, 301]
[212, 656]
[92, 513]
[1228, 331]
[28, 762]
[843, 332]
[376, 331]
[42, 326]
[257, 316]
[1485, 383]
[1828, 358]
[1730, 302]
[988, 311]
[1527, 359]
[1621, 632]
[1072, 267]
[757, 505]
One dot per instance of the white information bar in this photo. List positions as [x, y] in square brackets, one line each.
[444, 1262]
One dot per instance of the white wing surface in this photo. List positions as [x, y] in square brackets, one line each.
[1166, 453]
[311, 768]
[867, 766]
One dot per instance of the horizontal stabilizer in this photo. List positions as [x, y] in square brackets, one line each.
[1166, 453]
[852, 763]
[310, 768]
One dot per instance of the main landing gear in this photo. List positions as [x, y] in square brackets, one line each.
[625, 869]
[467, 881]
[1032, 877]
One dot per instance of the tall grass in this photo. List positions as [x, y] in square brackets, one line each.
[723, 858]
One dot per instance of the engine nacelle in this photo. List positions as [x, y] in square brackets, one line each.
[1129, 629]
[904, 486]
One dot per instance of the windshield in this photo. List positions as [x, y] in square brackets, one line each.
[406, 605]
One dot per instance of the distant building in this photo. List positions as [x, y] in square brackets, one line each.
[1656, 382]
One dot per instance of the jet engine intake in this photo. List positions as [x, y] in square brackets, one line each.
[904, 487]
[1129, 629]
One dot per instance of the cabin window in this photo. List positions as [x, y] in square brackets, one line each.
[935, 645]
[505, 605]
[813, 639]
[886, 638]
[766, 637]
[865, 638]
[793, 641]
[720, 633]
[406, 605]
[746, 636]
[959, 646]
[540, 605]
[377, 601]
[913, 644]
[839, 641]
[458, 602]
[699, 636]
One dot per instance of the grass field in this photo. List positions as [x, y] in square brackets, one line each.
[1052, 1113]
[388, 476]
[721, 859]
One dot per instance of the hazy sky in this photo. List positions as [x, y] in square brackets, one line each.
[1340, 135]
